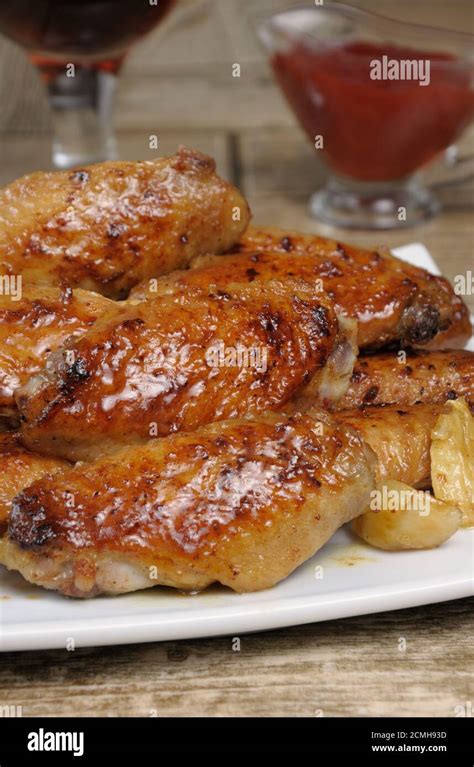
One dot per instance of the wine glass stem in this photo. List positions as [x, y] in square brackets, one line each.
[82, 104]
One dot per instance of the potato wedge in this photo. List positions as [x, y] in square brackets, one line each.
[452, 458]
[404, 518]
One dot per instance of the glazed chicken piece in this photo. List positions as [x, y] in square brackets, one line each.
[418, 376]
[399, 436]
[183, 361]
[241, 502]
[105, 227]
[403, 303]
[18, 469]
[392, 301]
[34, 325]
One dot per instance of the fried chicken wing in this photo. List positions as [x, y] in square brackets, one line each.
[417, 376]
[33, 326]
[241, 502]
[180, 362]
[105, 227]
[392, 301]
[400, 438]
[19, 468]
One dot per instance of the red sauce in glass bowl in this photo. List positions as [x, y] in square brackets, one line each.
[375, 130]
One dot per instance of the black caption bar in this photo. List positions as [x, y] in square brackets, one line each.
[85, 740]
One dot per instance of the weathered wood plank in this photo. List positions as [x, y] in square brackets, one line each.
[339, 668]
[218, 101]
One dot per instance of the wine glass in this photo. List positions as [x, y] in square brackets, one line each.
[79, 47]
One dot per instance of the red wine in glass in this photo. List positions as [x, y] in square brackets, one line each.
[78, 46]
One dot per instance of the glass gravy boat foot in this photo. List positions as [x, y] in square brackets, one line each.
[362, 205]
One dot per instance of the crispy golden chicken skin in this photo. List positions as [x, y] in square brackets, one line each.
[241, 502]
[392, 301]
[18, 469]
[38, 323]
[409, 377]
[180, 362]
[105, 227]
[399, 436]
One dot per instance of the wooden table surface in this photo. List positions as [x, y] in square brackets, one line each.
[177, 85]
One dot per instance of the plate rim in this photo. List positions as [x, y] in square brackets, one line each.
[277, 612]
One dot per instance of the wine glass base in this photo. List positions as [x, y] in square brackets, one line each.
[364, 205]
[66, 160]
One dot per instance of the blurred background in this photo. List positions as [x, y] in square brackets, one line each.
[177, 84]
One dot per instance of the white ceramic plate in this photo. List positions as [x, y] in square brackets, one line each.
[344, 578]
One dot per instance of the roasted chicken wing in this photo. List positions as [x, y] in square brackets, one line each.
[392, 301]
[33, 326]
[241, 502]
[18, 469]
[183, 361]
[409, 377]
[105, 227]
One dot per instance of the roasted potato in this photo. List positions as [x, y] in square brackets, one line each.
[405, 518]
